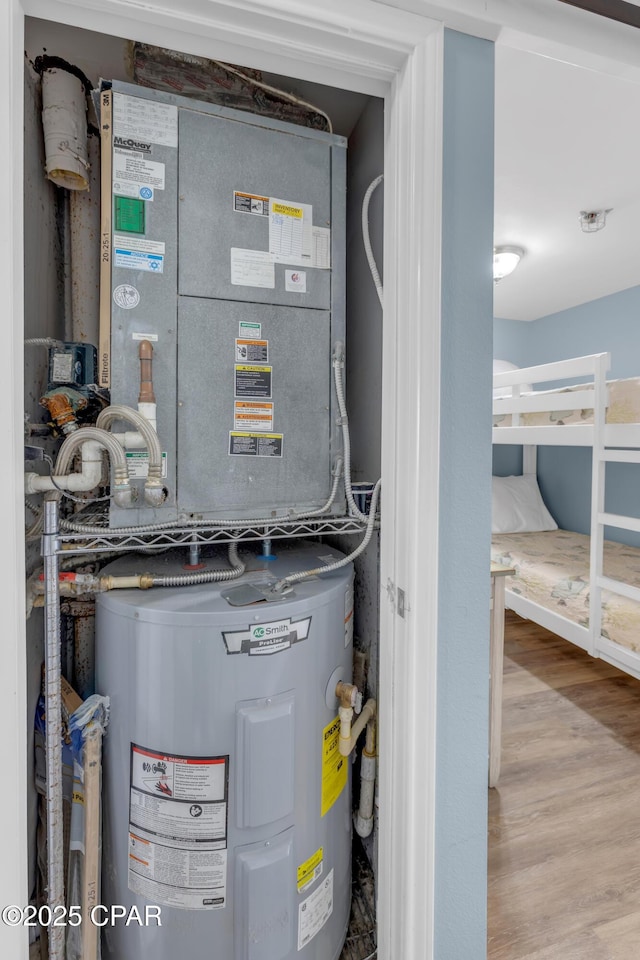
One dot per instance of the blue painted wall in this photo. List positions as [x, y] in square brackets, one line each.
[610, 324]
[465, 462]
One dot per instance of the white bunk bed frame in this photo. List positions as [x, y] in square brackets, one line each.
[609, 443]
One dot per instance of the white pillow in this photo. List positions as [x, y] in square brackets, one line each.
[518, 507]
[501, 366]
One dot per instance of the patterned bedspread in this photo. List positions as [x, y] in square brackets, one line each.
[624, 407]
[552, 569]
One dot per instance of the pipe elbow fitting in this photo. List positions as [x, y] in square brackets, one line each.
[124, 495]
[154, 492]
[363, 825]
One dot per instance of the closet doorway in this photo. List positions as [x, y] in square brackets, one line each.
[563, 877]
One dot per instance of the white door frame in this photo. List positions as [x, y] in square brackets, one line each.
[359, 45]
[386, 49]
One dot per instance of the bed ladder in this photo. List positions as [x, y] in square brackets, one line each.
[599, 518]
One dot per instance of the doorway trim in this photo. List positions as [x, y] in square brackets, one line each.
[377, 50]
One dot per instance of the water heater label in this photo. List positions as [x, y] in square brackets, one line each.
[178, 814]
[310, 870]
[265, 638]
[314, 912]
[334, 767]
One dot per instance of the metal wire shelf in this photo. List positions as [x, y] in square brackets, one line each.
[112, 541]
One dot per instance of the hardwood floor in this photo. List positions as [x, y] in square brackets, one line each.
[564, 820]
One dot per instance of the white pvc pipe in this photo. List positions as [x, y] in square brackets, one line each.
[148, 411]
[88, 478]
[133, 439]
[64, 120]
[364, 817]
[349, 734]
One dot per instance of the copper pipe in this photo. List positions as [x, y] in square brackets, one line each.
[146, 376]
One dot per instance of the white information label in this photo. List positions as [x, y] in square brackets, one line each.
[126, 296]
[295, 281]
[290, 231]
[314, 912]
[178, 828]
[62, 368]
[131, 167]
[321, 248]
[140, 191]
[138, 123]
[136, 260]
[207, 869]
[138, 460]
[253, 415]
[249, 331]
[138, 244]
[252, 268]
[153, 337]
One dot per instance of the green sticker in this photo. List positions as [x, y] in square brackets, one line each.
[129, 215]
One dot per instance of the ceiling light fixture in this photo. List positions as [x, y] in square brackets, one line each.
[505, 260]
[593, 220]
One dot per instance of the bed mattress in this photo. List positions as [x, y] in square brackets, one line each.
[624, 406]
[552, 569]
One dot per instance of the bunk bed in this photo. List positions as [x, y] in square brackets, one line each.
[583, 588]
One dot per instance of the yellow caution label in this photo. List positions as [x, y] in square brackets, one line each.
[252, 367]
[259, 436]
[310, 870]
[334, 766]
[287, 211]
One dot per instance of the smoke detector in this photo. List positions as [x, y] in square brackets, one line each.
[593, 220]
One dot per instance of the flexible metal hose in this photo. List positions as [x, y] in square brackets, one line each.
[94, 530]
[206, 576]
[43, 342]
[338, 366]
[37, 526]
[364, 543]
[120, 412]
[105, 439]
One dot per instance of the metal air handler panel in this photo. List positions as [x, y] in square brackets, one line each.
[226, 801]
[228, 250]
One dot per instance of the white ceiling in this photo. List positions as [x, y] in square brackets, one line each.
[566, 139]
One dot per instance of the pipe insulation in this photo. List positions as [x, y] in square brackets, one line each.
[64, 120]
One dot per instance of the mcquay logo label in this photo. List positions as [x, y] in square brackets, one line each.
[128, 143]
[267, 638]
